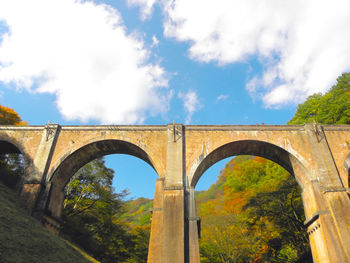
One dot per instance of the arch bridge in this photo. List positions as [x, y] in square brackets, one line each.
[317, 156]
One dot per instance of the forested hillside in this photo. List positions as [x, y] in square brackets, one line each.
[330, 108]
[252, 214]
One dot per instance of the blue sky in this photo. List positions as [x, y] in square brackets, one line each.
[159, 61]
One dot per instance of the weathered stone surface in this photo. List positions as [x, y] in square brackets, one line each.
[173, 227]
[156, 237]
[318, 156]
[29, 194]
[192, 221]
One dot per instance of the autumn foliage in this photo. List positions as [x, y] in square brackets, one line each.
[247, 217]
[9, 117]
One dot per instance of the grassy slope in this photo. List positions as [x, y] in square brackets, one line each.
[24, 239]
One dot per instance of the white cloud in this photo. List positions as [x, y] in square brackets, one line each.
[81, 52]
[303, 45]
[155, 41]
[222, 97]
[191, 103]
[146, 7]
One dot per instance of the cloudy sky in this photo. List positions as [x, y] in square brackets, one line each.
[155, 61]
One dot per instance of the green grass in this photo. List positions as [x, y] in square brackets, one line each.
[24, 239]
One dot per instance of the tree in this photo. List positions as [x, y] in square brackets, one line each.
[11, 164]
[11, 169]
[9, 117]
[97, 219]
[254, 215]
[89, 188]
[330, 108]
[282, 206]
[90, 214]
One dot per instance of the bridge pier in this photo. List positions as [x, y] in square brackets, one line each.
[34, 181]
[156, 237]
[173, 226]
[339, 208]
[193, 231]
[29, 193]
[327, 221]
[168, 218]
[173, 248]
[326, 203]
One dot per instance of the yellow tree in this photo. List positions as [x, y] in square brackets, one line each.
[9, 117]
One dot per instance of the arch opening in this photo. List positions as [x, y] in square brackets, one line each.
[74, 161]
[102, 209]
[238, 209]
[12, 164]
[254, 148]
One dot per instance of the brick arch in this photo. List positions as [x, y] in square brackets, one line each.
[9, 146]
[251, 147]
[72, 162]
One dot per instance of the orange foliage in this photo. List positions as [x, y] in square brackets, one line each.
[9, 117]
[235, 205]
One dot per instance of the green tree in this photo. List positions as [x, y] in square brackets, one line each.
[91, 188]
[90, 214]
[330, 108]
[97, 219]
[11, 169]
[282, 206]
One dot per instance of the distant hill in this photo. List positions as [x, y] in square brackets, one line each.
[137, 212]
[24, 239]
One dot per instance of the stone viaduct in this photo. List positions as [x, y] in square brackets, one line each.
[317, 156]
